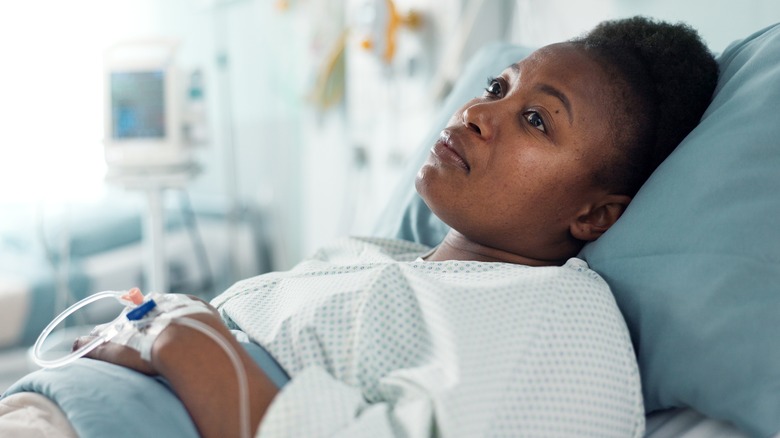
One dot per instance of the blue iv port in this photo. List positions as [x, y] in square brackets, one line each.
[141, 311]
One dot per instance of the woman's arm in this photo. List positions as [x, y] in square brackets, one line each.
[201, 374]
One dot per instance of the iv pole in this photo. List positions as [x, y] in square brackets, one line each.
[154, 183]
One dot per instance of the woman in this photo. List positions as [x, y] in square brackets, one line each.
[499, 330]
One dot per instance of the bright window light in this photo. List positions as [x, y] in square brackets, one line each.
[51, 104]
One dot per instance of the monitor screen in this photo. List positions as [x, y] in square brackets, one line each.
[137, 105]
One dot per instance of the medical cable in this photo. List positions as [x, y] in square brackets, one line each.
[138, 326]
[86, 348]
[243, 381]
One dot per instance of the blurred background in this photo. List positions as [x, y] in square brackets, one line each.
[287, 125]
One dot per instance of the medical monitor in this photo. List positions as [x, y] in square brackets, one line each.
[142, 108]
[138, 107]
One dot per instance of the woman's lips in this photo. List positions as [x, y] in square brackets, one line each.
[446, 152]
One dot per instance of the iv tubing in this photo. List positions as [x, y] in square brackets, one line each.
[243, 383]
[56, 321]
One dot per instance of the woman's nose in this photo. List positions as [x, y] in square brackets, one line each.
[478, 119]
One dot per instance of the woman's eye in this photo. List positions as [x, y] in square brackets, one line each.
[493, 87]
[535, 120]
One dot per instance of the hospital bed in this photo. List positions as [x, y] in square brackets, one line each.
[694, 263]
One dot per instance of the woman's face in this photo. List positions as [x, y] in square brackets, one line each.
[514, 167]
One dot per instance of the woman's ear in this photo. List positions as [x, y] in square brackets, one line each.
[595, 219]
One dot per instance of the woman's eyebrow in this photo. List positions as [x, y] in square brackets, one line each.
[552, 91]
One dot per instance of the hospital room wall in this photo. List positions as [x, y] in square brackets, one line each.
[718, 21]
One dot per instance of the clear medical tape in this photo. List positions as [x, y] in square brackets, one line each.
[243, 381]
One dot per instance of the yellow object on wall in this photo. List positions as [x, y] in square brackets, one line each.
[383, 34]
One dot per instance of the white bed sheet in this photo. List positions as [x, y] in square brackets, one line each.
[14, 306]
[687, 423]
[32, 415]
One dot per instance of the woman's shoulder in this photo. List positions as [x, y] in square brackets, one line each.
[581, 290]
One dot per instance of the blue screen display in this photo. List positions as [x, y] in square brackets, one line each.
[137, 105]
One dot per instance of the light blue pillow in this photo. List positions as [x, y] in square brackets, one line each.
[694, 263]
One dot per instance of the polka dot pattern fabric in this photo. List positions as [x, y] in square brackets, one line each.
[380, 343]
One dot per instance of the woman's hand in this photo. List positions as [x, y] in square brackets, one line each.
[128, 357]
[200, 373]
[117, 354]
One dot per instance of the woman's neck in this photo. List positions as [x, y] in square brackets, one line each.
[456, 246]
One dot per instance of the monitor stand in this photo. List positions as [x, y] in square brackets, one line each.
[153, 181]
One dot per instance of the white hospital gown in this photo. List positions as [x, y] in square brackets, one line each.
[381, 344]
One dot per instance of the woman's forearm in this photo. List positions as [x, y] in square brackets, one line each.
[204, 378]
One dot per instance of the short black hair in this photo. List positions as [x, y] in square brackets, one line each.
[665, 78]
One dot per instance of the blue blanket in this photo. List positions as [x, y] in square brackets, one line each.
[102, 399]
